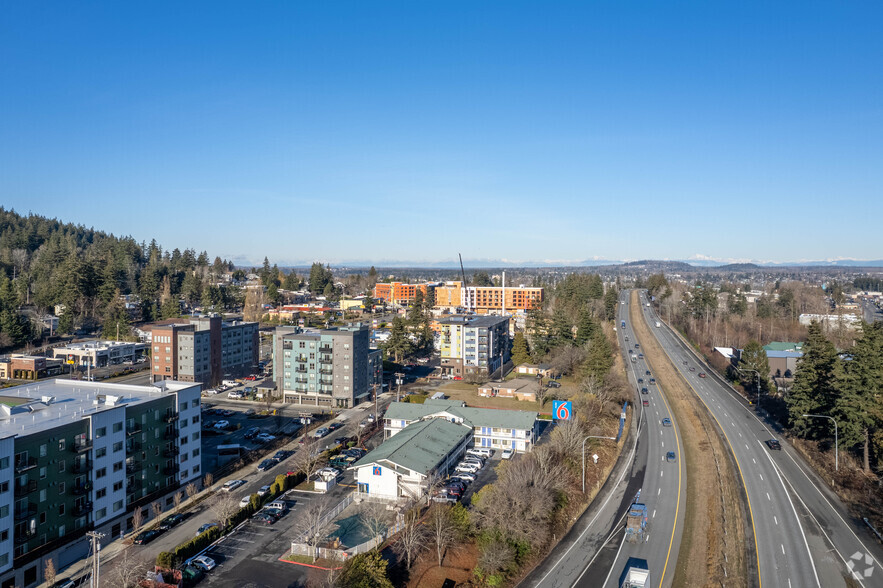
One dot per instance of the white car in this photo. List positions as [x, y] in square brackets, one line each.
[507, 454]
[203, 562]
[266, 437]
[222, 424]
[232, 485]
[234, 395]
[481, 451]
[263, 490]
[466, 476]
[466, 467]
[246, 500]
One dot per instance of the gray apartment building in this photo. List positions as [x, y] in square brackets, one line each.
[324, 368]
[82, 456]
[203, 349]
[473, 344]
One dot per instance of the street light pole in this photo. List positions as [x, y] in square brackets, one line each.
[584, 454]
[756, 373]
[836, 441]
[399, 377]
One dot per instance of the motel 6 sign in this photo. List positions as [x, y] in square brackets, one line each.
[561, 410]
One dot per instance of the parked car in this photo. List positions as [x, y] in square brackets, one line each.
[252, 433]
[334, 426]
[321, 432]
[507, 454]
[227, 412]
[466, 476]
[263, 490]
[232, 485]
[553, 384]
[466, 468]
[666, 422]
[265, 438]
[170, 521]
[363, 424]
[246, 500]
[145, 537]
[267, 464]
[273, 512]
[204, 562]
[235, 395]
[205, 528]
[279, 505]
[774, 444]
[222, 424]
[265, 517]
[281, 454]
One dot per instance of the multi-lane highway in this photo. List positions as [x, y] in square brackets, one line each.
[595, 553]
[802, 535]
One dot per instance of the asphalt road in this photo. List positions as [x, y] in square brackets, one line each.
[595, 552]
[870, 311]
[802, 533]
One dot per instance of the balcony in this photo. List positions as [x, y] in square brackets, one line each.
[301, 358]
[300, 369]
[171, 417]
[301, 380]
[25, 489]
[325, 348]
[82, 509]
[82, 466]
[24, 536]
[327, 381]
[133, 485]
[133, 447]
[326, 360]
[133, 430]
[172, 469]
[80, 489]
[81, 446]
[170, 434]
[133, 466]
[326, 372]
[23, 513]
[24, 464]
[171, 452]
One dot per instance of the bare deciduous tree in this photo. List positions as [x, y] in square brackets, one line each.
[49, 572]
[307, 459]
[156, 508]
[207, 481]
[442, 529]
[177, 499]
[374, 516]
[191, 490]
[309, 525]
[137, 519]
[224, 506]
[567, 437]
[412, 538]
[124, 571]
[495, 555]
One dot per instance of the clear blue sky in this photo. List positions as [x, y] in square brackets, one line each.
[384, 131]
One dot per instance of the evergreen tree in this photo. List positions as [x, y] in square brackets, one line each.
[599, 358]
[399, 344]
[115, 324]
[538, 331]
[368, 303]
[481, 279]
[366, 570]
[415, 313]
[754, 359]
[317, 280]
[372, 276]
[587, 326]
[562, 329]
[858, 406]
[611, 302]
[520, 351]
[273, 294]
[596, 287]
[328, 291]
[815, 384]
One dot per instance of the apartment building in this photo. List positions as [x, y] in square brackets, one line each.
[399, 293]
[100, 353]
[203, 350]
[487, 299]
[81, 456]
[473, 344]
[329, 367]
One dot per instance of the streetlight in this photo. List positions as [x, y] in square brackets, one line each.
[584, 455]
[836, 442]
[756, 373]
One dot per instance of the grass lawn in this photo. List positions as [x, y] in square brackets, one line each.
[468, 393]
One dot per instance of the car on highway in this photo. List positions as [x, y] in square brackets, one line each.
[774, 444]
[671, 456]
[640, 380]
[666, 422]
[645, 402]
[692, 369]
[507, 454]
[652, 380]
[645, 391]
[145, 537]
[170, 521]
[701, 374]
[640, 356]
[204, 562]
[205, 528]
[267, 464]
[647, 373]
[232, 485]
[637, 346]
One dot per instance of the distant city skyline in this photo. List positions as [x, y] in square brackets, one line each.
[410, 132]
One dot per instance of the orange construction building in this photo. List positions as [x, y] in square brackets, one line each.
[482, 299]
[398, 293]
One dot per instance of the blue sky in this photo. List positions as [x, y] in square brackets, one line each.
[378, 131]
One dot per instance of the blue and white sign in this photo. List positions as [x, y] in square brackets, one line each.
[561, 410]
[376, 471]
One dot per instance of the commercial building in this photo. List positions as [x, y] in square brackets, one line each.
[487, 299]
[28, 367]
[473, 344]
[100, 353]
[782, 358]
[329, 367]
[496, 429]
[402, 466]
[203, 349]
[399, 293]
[81, 456]
[831, 322]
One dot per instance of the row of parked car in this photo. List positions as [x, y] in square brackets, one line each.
[164, 525]
[464, 474]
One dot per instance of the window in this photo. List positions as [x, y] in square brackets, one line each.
[4, 463]
[196, 452]
[117, 427]
[118, 446]
[61, 445]
[117, 486]
[184, 473]
[118, 505]
[195, 470]
[100, 473]
[118, 466]
[4, 487]
[183, 406]
[43, 495]
[195, 436]
[61, 465]
[194, 403]
[43, 473]
[61, 530]
[100, 452]
[4, 511]
[194, 420]
[61, 509]
[183, 441]
[4, 535]
[101, 513]
[101, 493]
[61, 487]
[100, 432]
[43, 450]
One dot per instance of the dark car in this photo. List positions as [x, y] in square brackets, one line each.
[701, 374]
[170, 521]
[334, 426]
[652, 380]
[671, 456]
[553, 384]
[774, 444]
[252, 433]
[265, 518]
[453, 491]
[637, 346]
[647, 373]
[645, 391]
[281, 454]
[666, 422]
[145, 537]
[646, 402]
[267, 464]
[341, 440]
[640, 380]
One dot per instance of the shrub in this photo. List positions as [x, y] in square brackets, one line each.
[165, 560]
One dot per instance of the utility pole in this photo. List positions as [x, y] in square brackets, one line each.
[374, 385]
[96, 559]
[399, 377]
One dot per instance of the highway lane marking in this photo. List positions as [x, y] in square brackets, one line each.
[768, 497]
[761, 477]
[794, 510]
[782, 545]
[654, 514]
[658, 491]
[754, 460]
[616, 557]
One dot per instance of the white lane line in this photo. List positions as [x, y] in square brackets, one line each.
[761, 477]
[782, 545]
[663, 443]
[746, 447]
[776, 519]
[654, 514]
[768, 497]
[658, 491]
[607, 579]
[754, 460]
[660, 474]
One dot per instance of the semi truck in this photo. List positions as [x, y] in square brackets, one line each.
[636, 522]
[636, 574]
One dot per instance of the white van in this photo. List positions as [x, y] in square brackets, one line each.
[230, 383]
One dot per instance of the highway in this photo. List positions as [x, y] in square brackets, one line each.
[802, 534]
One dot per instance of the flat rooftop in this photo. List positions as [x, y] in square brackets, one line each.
[472, 321]
[31, 408]
[85, 345]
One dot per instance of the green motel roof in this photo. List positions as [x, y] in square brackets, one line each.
[419, 447]
[783, 346]
[472, 417]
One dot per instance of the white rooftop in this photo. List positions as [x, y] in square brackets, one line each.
[30, 408]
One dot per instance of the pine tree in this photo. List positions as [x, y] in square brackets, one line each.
[415, 313]
[754, 359]
[596, 287]
[317, 279]
[858, 406]
[611, 302]
[815, 384]
[562, 329]
[599, 359]
[399, 343]
[587, 327]
[115, 324]
[520, 351]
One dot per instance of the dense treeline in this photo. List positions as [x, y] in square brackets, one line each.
[868, 283]
[84, 273]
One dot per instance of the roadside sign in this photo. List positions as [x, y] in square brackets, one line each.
[562, 409]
